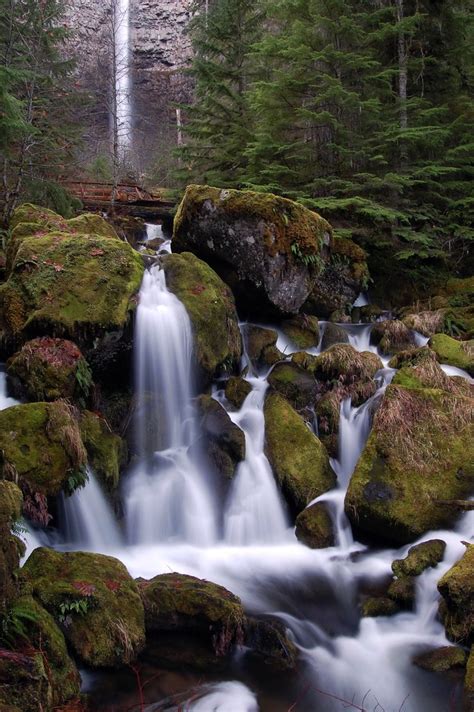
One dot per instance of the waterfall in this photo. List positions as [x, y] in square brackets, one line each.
[168, 496]
[122, 76]
[5, 400]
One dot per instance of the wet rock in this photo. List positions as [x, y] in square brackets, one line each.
[455, 353]
[468, 701]
[314, 526]
[375, 606]
[11, 548]
[237, 390]
[420, 450]
[420, 557]
[47, 369]
[106, 452]
[131, 229]
[176, 602]
[295, 384]
[270, 250]
[403, 592]
[302, 329]
[344, 364]
[211, 309]
[333, 334]
[449, 657]
[270, 643]
[94, 600]
[223, 441]
[371, 313]
[260, 345]
[457, 607]
[426, 322]
[298, 458]
[392, 336]
[24, 685]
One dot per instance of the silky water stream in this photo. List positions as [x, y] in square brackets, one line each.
[174, 522]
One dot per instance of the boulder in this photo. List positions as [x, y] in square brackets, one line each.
[455, 353]
[260, 345]
[237, 390]
[11, 547]
[270, 250]
[392, 336]
[223, 441]
[176, 602]
[94, 600]
[24, 684]
[333, 334]
[269, 643]
[426, 323]
[302, 329]
[457, 607]
[449, 657]
[420, 451]
[420, 557]
[468, 701]
[298, 458]
[314, 526]
[106, 452]
[295, 384]
[375, 606]
[46, 369]
[403, 592]
[211, 309]
[341, 363]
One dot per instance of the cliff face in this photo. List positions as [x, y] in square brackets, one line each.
[158, 34]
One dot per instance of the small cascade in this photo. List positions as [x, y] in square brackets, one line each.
[122, 77]
[167, 495]
[155, 232]
[87, 519]
[5, 400]
[254, 513]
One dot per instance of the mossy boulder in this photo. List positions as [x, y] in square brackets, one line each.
[403, 592]
[457, 607]
[211, 309]
[176, 602]
[468, 700]
[392, 336]
[47, 369]
[341, 363]
[223, 441]
[295, 384]
[420, 451]
[302, 329]
[129, 228]
[94, 600]
[42, 445]
[10, 546]
[333, 334]
[299, 460]
[344, 276]
[375, 606]
[270, 250]
[24, 683]
[314, 526]
[448, 657]
[42, 635]
[269, 643]
[106, 451]
[455, 353]
[420, 557]
[260, 345]
[426, 323]
[237, 390]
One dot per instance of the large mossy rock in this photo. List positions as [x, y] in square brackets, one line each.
[427, 322]
[420, 557]
[47, 369]
[298, 458]
[94, 600]
[420, 451]
[314, 526]
[260, 346]
[303, 330]
[24, 683]
[392, 336]
[223, 441]
[295, 384]
[457, 607]
[10, 546]
[42, 445]
[176, 602]
[453, 352]
[211, 309]
[469, 684]
[269, 643]
[236, 391]
[341, 363]
[449, 657]
[270, 250]
[106, 451]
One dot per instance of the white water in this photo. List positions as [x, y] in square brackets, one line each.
[5, 400]
[122, 73]
[154, 232]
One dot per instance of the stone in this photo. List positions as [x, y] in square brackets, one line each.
[223, 441]
[419, 558]
[333, 334]
[260, 345]
[295, 384]
[453, 352]
[448, 657]
[302, 329]
[237, 390]
[392, 336]
[269, 643]
[375, 606]
[457, 607]
[314, 526]
[11, 547]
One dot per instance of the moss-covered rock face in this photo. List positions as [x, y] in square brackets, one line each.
[94, 600]
[455, 353]
[270, 644]
[260, 345]
[375, 606]
[299, 460]
[106, 452]
[449, 657]
[211, 308]
[345, 275]
[392, 336]
[223, 441]
[457, 607]
[42, 635]
[237, 390]
[184, 603]
[48, 369]
[10, 546]
[420, 451]
[295, 384]
[42, 446]
[269, 249]
[303, 330]
[314, 527]
[24, 684]
[419, 558]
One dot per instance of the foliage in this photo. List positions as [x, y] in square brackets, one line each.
[80, 606]
[76, 480]
[14, 625]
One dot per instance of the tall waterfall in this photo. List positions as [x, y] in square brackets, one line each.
[123, 106]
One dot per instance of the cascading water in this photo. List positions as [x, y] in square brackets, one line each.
[5, 400]
[123, 107]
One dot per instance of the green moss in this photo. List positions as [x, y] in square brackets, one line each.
[10, 502]
[260, 345]
[237, 390]
[314, 527]
[449, 657]
[420, 450]
[299, 460]
[106, 451]
[419, 558]
[10, 546]
[211, 309]
[288, 223]
[303, 330]
[403, 592]
[344, 364]
[42, 444]
[91, 224]
[375, 606]
[111, 631]
[457, 607]
[455, 353]
[34, 214]
[294, 383]
[24, 684]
